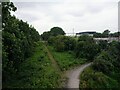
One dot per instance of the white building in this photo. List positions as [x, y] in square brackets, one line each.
[109, 39]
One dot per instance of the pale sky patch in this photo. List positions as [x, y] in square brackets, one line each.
[82, 15]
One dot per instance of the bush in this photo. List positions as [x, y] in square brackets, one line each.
[102, 63]
[62, 43]
[86, 48]
[91, 79]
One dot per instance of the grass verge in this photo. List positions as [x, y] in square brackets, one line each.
[66, 59]
[36, 72]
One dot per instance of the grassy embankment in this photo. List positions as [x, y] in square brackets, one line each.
[41, 70]
[66, 59]
[36, 72]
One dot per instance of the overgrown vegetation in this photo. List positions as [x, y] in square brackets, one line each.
[26, 63]
[94, 79]
[36, 72]
[18, 39]
[62, 43]
[69, 52]
[86, 48]
[104, 73]
[66, 59]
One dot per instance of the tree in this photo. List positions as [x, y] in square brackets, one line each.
[108, 61]
[86, 38]
[86, 48]
[59, 44]
[45, 36]
[7, 66]
[70, 43]
[116, 34]
[103, 45]
[62, 43]
[51, 40]
[6, 8]
[106, 33]
[97, 35]
[55, 31]
[103, 63]
[17, 41]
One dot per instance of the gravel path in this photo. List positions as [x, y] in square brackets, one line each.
[73, 76]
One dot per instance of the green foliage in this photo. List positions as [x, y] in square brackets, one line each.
[62, 43]
[66, 59]
[45, 36]
[104, 73]
[108, 60]
[103, 63]
[51, 40]
[36, 72]
[86, 48]
[114, 52]
[97, 35]
[55, 31]
[103, 45]
[116, 34]
[6, 8]
[106, 34]
[17, 41]
[86, 38]
[91, 79]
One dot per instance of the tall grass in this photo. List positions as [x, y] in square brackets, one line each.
[36, 72]
[66, 59]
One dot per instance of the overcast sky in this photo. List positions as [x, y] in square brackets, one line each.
[80, 15]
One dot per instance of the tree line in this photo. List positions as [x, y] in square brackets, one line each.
[18, 41]
[83, 47]
[106, 34]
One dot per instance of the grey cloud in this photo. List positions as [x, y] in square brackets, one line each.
[25, 5]
[27, 17]
[33, 5]
[99, 7]
[77, 14]
[49, 14]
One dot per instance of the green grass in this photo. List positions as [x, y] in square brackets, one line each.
[36, 72]
[66, 59]
[91, 79]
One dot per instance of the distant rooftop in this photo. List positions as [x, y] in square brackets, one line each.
[87, 32]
